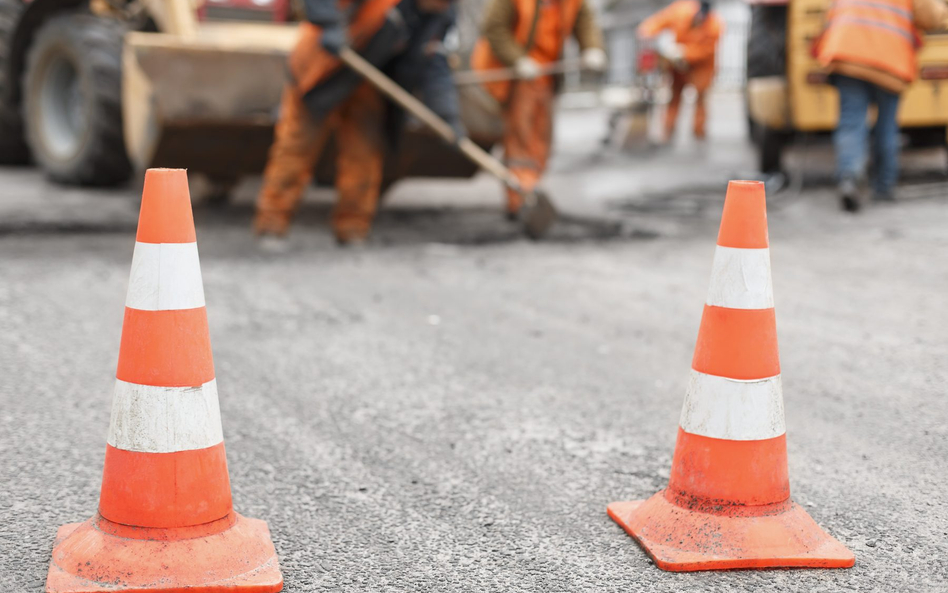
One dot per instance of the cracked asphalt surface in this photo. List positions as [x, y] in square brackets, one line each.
[451, 408]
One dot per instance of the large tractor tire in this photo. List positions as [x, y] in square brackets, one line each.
[72, 98]
[13, 148]
[766, 51]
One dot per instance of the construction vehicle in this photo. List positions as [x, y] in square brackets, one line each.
[788, 96]
[93, 90]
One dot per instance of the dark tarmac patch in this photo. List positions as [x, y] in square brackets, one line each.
[459, 226]
[61, 227]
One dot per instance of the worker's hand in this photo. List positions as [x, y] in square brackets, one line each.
[334, 38]
[594, 59]
[527, 68]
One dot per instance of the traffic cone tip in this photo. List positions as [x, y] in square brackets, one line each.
[744, 220]
[165, 215]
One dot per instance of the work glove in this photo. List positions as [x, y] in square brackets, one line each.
[334, 38]
[527, 68]
[594, 59]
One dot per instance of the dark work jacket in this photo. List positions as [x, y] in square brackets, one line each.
[408, 48]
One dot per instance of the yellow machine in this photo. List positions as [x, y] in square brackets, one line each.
[92, 90]
[787, 93]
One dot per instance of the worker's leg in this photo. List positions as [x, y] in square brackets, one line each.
[671, 112]
[850, 138]
[851, 133]
[700, 114]
[528, 132]
[361, 145]
[701, 78]
[886, 145]
[298, 141]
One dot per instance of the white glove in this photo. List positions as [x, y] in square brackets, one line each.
[666, 47]
[527, 68]
[594, 59]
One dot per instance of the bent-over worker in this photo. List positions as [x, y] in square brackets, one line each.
[324, 99]
[697, 30]
[527, 35]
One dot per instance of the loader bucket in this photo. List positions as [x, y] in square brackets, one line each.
[206, 102]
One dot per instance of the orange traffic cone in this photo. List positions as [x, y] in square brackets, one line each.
[727, 504]
[165, 520]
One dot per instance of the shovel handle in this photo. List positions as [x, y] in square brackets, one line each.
[428, 117]
[467, 77]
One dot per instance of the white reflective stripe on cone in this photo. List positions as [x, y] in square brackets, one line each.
[733, 409]
[153, 419]
[740, 279]
[165, 276]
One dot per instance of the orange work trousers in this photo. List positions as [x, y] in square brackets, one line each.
[700, 78]
[528, 133]
[299, 141]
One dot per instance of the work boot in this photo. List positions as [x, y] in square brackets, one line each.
[849, 198]
[350, 235]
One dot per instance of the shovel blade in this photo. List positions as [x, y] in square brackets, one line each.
[539, 214]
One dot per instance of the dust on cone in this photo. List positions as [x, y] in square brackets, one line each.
[727, 504]
[165, 521]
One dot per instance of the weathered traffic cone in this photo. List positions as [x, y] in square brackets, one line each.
[727, 504]
[165, 521]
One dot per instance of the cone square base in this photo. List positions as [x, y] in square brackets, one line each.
[242, 558]
[684, 540]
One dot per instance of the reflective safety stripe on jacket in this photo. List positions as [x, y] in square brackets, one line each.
[542, 27]
[877, 34]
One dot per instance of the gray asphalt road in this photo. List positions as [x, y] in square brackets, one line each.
[451, 408]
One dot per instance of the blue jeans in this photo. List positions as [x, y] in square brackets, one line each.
[851, 137]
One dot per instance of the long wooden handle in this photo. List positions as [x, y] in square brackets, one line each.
[502, 74]
[428, 117]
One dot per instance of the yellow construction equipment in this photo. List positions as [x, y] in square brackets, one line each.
[788, 94]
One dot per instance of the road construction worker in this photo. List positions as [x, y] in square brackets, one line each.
[324, 99]
[869, 48]
[526, 36]
[696, 32]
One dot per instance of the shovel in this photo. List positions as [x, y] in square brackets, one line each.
[537, 214]
[467, 77]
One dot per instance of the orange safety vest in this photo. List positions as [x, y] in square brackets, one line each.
[877, 34]
[310, 64]
[700, 42]
[542, 28]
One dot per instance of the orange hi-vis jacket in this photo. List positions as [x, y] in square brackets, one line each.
[310, 63]
[871, 39]
[699, 42]
[541, 28]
